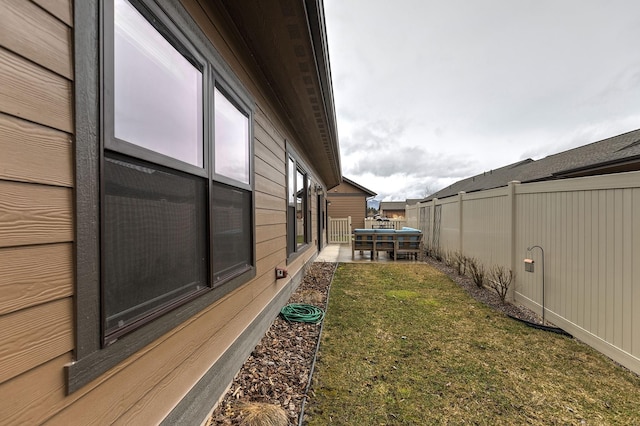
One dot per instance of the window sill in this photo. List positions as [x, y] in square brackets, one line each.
[82, 371]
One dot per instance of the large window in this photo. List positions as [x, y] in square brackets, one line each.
[164, 179]
[299, 206]
[176, 173]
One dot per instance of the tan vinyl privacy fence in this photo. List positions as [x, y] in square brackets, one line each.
[589, 229]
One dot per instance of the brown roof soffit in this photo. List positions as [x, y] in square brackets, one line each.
[318, 31]
[287, 40]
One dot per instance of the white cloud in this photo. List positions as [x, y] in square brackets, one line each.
[429, 91]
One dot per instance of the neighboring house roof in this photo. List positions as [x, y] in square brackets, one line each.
[612, 155]
[368, 192]
[289, 45]
[392, 205]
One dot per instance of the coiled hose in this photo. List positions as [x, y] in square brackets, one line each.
[300, 312]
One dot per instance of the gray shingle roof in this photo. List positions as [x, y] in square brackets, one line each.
[594, 158]
[392, 205]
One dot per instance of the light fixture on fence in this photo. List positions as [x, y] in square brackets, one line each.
[528, 267]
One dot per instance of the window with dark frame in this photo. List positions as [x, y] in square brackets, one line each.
[176, 204]
[160, 226]
[299, 206]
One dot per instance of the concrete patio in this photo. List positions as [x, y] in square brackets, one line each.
[342, 253]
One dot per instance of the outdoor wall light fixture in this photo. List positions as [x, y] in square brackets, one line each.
[528, 267]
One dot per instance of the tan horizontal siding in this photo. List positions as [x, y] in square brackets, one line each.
[32, 395]
[271, 217]
[156, 404]
[273, 245]
[269, 202]
[34, 93]
[268, 134]
[34, 274]
[265, 233]
[36, 207]
[34, 214]
[25, 28]
[342, 207]
[269, 172]
[271, 188]
[35, 335]
[267, 148]
[155, 380]
[62, 9]
[266, 266]
[34, 153]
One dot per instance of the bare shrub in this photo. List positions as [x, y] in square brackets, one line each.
[460, 262]
[437, 254]
[499, 280]
[449, 259]
[477, 271]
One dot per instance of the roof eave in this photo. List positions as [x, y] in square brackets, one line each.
[288, 42]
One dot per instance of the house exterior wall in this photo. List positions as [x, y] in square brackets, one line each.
[392, 214]
[342, 207]
[37, 285]
[347, 200]
[589, 229]
[36, 206]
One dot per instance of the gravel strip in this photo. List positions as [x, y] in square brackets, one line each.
[278, 369]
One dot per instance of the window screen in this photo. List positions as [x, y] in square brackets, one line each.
[155, 250]
[232, 237]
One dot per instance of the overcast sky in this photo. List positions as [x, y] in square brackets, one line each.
[430, 92]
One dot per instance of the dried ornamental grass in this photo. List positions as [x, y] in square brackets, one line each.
[262, 414]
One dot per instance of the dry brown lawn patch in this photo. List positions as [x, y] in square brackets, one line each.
[403, 345]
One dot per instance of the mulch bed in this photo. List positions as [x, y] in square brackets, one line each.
[277, 371]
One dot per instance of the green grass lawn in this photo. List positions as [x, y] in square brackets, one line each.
[403, 345]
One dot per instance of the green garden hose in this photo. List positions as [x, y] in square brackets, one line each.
[299, 312]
